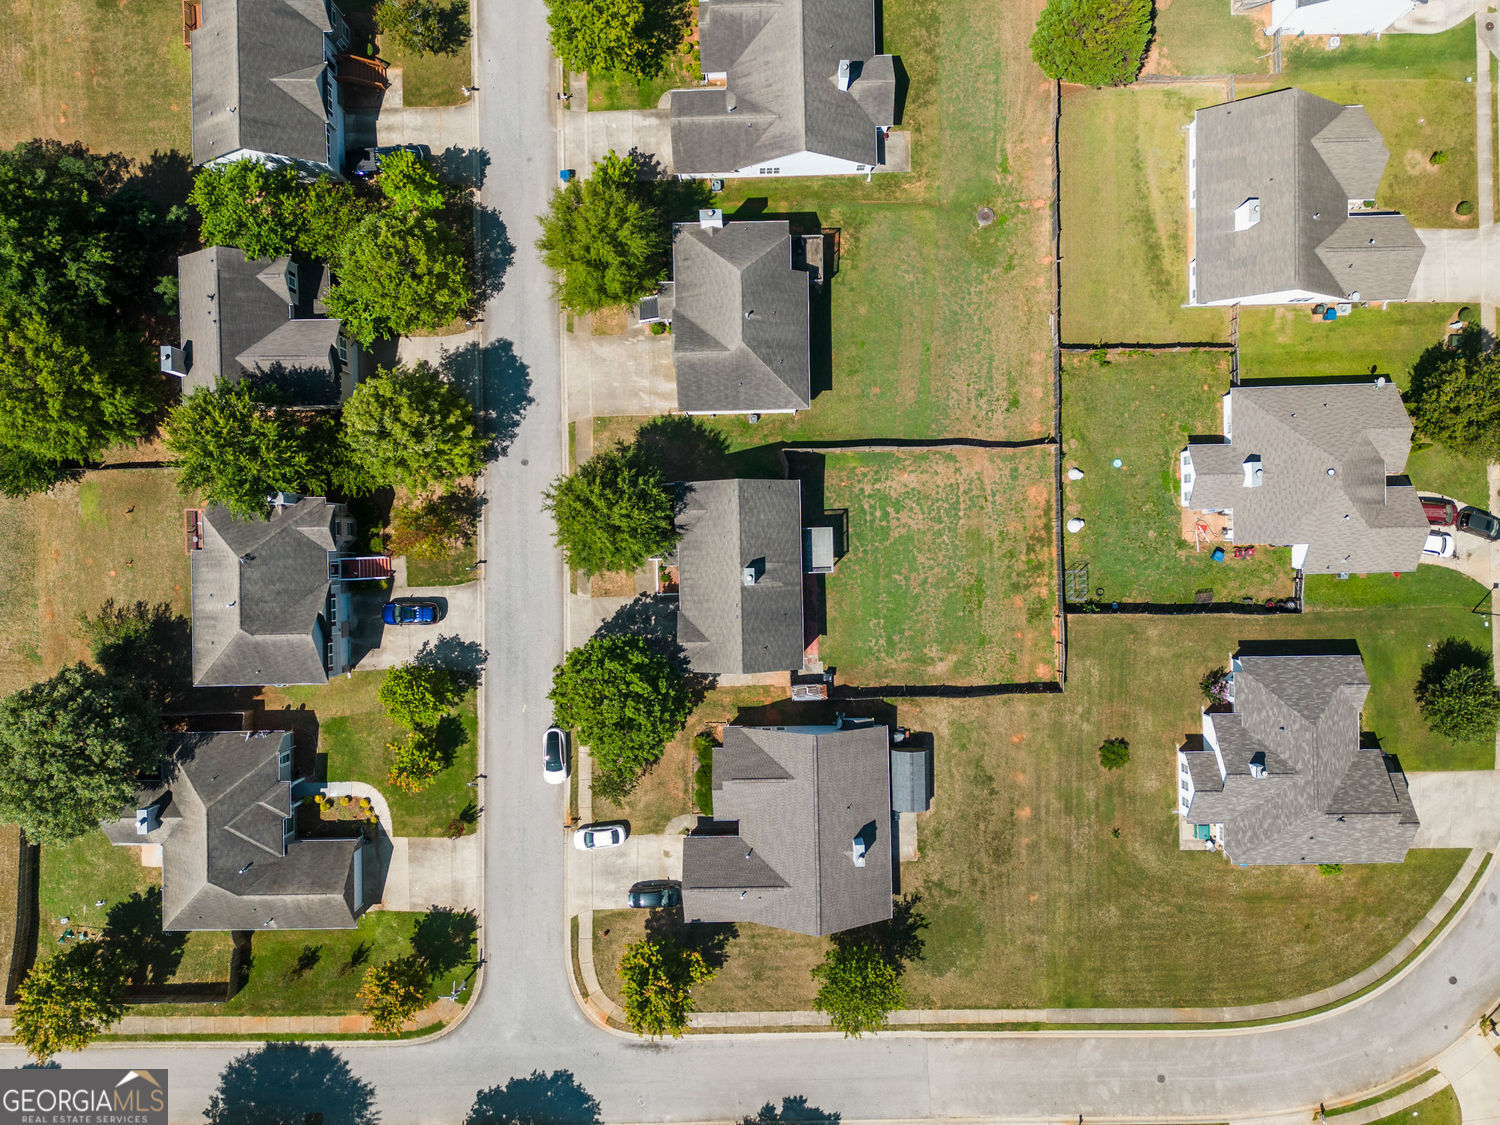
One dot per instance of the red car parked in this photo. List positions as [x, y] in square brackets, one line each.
[1439, 512]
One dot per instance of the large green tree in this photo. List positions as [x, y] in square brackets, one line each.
[605, 237]
[67, 1001]
[858, 987]
[398, 273]
[237, 452]
[256, 207]
[624, 701]
[71, 749]
[614, 511]
[656, 985]
[410, 428]
[418, 695]
[628, 37]
[66, 394]
[1093, 42]
[1460, 703]
[424, 27]
[1455, 396]
[74, 235]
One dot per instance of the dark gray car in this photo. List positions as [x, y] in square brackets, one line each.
[1480, 523]
[655, 894]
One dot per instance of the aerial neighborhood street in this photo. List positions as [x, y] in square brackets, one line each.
[759, 561]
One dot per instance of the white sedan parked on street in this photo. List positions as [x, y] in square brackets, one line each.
[592, 837]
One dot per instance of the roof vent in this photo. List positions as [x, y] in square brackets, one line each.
[173, 361]
[710, 218]
[753, 570]
[1252, 471]
[147, 820]
[1258, 764]
[858, 852]
[1247, 214]
[731, 103]
[843, 78]
[1332, 471]
[1380, 381]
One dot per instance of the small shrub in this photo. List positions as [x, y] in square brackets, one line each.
[416, 762]
[1215, 685]
[1114, 753]
[658, 329]
[1464, 207]
[456, 828]
[1438, 157]
[1330, 869]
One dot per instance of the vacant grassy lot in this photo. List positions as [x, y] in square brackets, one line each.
[90, 870]
[1125, 230]
[949, 577]
[1142, 409]
[115, 534]
[1032, 898]
[355, 738]
[113, 75]
[938, 327]
[1202, 37]
[1288, 343]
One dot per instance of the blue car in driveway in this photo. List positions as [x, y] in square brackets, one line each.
[410, 613]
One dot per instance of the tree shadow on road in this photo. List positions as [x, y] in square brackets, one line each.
[290, 1084]
[496, 378]
[538, 1099]
[794, 1109]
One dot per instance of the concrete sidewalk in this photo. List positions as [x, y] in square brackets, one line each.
[1473, 1068]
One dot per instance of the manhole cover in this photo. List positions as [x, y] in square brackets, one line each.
[1489, 25]
[985, 216]
[1161, 1077]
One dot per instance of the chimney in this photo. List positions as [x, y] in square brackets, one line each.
[1252, 468]
[843, 78]
[1258, 764]
[147, 820]
[749, 576]
[859, 852]
[710, 218]
[173, 361]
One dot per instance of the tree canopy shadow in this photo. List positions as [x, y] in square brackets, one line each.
[493, 251]
[496, 378]
[794, 1109]
[133, 927]
[148, 645]
[467, 658]
[291, 1084]
[466, 167]
[537, 1099]
[708, 939]
[899, 938]
[444, 938]
[685, 446]
[1449, 655]
[654, 620]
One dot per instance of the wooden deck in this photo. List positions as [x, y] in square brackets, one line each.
[192, 20]
[192, 526]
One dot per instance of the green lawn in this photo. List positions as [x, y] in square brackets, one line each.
[1449, 55]
[949, 577]
[1440, 1109]
[618, 91]
[938, 327]
[1034, 901]
[76, 876]
[1284, 343]
[115, 76]
[1125, 228]
[1397, 621]
[453, 569]
[355, 735]
[1202, 37]
[1141, 409]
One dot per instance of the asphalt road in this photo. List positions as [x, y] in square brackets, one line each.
[525, 1017]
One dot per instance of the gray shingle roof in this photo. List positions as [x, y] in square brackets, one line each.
[224, 864]
[1356, 518]
[740, 335]
[1304, 158]
[782, 59]
[262, 621]
[724, 625]
[789, 802]
[239, 320]
[1324, 799]
[260, 81]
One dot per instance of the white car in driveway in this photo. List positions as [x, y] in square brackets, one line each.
[555, 756]
[1439, 544]
[592, 837]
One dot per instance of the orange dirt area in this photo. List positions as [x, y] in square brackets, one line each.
[1203, 528]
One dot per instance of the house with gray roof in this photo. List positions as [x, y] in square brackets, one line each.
[222, 814]
[740, 318]
[1317, 468]
[263, 321]
[1282, 776]
[1284, 199]
[265, 83]
[802, 835]
[270, 605]
[740, 578]
[795, 88]
[1333, 17]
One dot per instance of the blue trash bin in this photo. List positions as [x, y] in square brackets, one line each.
[1218, 554]
[565, 175]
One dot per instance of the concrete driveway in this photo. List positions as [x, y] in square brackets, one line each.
[1456, 267]
[458, 632]
[599, 880]
[588, 137]
[612, 376]
[1458, 809]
